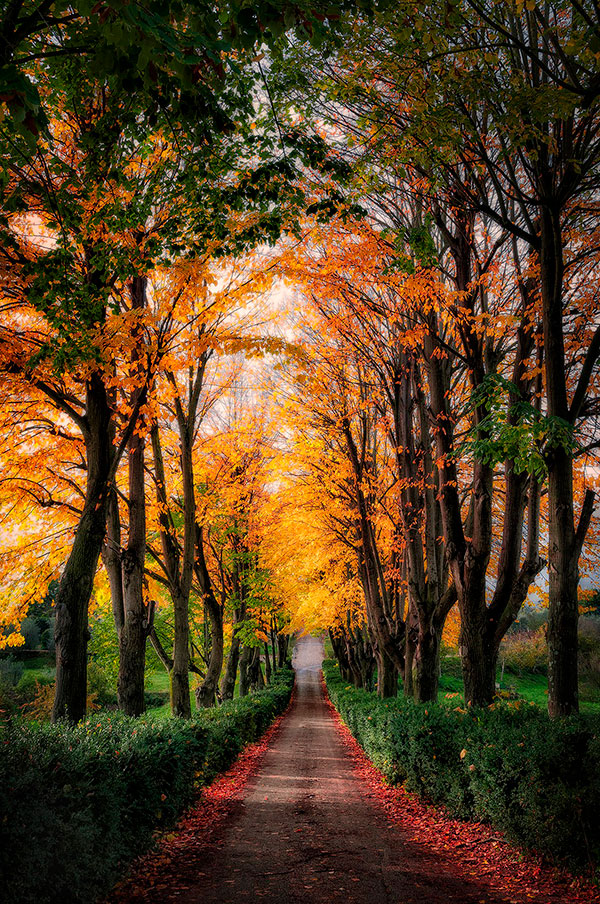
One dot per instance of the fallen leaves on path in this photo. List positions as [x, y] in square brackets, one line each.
[164, 873]
[469, 850]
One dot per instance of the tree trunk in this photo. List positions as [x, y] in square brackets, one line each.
[563, 580]
[363, 657]
[206, 693]
[132, 637]
[477, 659]
[111, 558]
[427, 665]
[563, 577]
[283, 642]
[77, 580]
[228, 680]
[267, 664]
[179, 676]
[387, 676]
[244, 685]
[410, 648]
[71, 632]
[274, 645]
[255, 675]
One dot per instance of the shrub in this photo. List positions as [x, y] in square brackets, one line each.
[80, 802]
[525, 652]
[450, 665]
[100, 683]
[11, 670]
[31, 681]
[509, 765]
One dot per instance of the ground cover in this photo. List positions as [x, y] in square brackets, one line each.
[476, 849]
[82, 801]
[508, 765]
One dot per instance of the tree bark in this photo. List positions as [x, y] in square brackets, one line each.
[228, 680]
[179, 677]
[283, 642]
[387, 675]
[111, 558]
[267, 664]
[563, 572]
[255, 675]
[244, 663]
[206, 693]
[77, 580]
[133, 633]
[428, 664]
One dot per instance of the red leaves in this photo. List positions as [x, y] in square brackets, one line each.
[469, 850]
[175, 864]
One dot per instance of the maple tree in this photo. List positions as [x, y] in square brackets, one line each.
[437, 129]
[446, 380]
[95, 157]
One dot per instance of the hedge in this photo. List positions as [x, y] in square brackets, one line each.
[78, 803]
[509, 765]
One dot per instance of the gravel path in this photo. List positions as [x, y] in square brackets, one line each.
[306, 832]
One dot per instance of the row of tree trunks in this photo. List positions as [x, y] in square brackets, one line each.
[385, 626]
[354, 653]
[430, 598]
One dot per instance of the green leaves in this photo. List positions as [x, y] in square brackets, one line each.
[512, 429]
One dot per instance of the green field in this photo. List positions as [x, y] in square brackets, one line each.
[529, 686]
[526, 686]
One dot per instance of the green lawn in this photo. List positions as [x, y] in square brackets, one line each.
[531, 687]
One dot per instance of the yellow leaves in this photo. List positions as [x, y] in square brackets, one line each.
[11, 641]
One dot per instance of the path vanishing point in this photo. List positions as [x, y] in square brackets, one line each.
[306, 831]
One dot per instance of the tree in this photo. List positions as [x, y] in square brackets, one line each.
[95, 125]
[521, 117]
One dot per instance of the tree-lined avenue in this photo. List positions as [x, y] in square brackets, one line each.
[306, 831]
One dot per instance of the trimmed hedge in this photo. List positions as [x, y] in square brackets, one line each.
[78, 803]
[535, 779]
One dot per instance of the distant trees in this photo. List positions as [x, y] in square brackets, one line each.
[434, 176]
[474, 135]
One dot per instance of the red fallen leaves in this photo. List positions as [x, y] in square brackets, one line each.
[162, 874]
[469, 850]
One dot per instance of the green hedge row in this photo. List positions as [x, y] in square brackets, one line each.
[509, 765]
[78, 803]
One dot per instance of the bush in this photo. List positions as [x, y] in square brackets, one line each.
[589, 651]
[525, 652]
[100, 683]
[31, 633]
[11, 670]
[80, 802]
[31, 681]
[508, 765]
[451, 666]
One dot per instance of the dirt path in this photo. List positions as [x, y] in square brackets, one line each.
[306, 832]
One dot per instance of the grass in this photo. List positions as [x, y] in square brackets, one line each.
[157, 681]
[528, 686]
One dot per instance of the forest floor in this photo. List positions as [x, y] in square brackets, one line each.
[303, 818]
